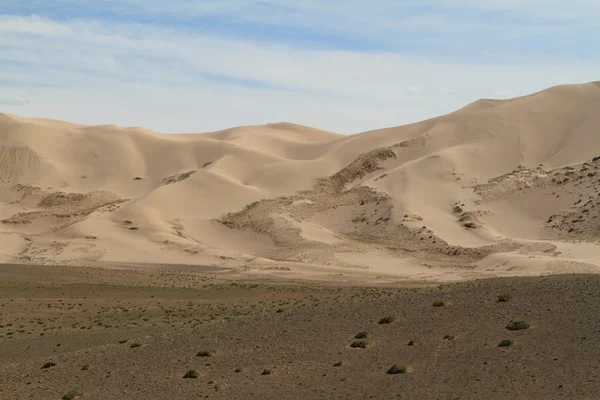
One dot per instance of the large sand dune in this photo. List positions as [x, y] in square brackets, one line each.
[497, 188]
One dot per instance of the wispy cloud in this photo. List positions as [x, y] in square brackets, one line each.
[187, 65]
[13, 101]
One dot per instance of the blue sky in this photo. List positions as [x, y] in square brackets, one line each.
[345, 66]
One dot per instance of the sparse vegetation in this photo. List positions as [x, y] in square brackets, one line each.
[266, 371]
[72, 394]
[397, 369]
[359, 344]
[205, 353]
[517, 325]
[504, 298]
[178, 177]
[411, 343]
[191, 374]
[85, 367]
[387, 320]
[134, 345]
[440, 303]
[361, 335]
[505, 343]
[337, 364]
[49, 364]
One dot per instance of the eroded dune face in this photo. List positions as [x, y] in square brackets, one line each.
[496, 188]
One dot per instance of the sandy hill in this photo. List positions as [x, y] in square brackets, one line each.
[499, 187]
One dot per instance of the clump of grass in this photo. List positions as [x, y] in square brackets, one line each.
[134, 345]
[266, 371]
[411, 343]
[504, 298]
[49, 364]
[337, 364]
[359, 344]
[72, 394]
[517, 325]
[205, 353]
[387, 320]
[85, 367]
[361, 335]
[397, 369]
[457, 209]
[505, 343]
[191, 374]
[440, 303]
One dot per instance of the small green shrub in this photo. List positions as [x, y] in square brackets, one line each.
[191, 374]
[504, 298]
[361, 335]
[72, 394]
[397, 369]
[517, 325]
[505, 343]
[387, 320]
[205, 353]
[359, 344]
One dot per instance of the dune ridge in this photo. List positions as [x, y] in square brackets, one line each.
[497, 188]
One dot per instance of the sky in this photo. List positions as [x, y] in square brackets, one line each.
[345, 66]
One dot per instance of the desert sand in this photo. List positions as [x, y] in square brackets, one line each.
[284, 262]
[497, 188]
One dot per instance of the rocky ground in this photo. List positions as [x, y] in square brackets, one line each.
[105, 334]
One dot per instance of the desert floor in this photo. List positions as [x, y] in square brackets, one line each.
[133, 334]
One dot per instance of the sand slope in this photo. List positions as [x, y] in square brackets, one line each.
[496, 188]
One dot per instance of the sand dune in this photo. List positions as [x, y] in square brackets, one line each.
[499, 187]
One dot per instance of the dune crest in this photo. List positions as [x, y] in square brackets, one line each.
[497, 188]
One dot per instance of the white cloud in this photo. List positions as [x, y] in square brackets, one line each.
[13, 101]
[573, 10]
[173, 80]
[31, 25]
